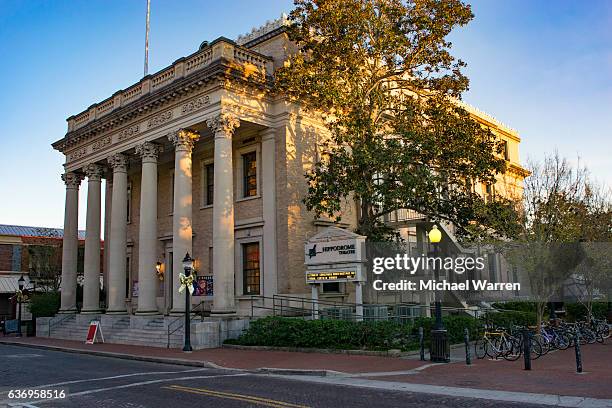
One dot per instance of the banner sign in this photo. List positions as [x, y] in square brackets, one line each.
[94, 328]
[203, 286]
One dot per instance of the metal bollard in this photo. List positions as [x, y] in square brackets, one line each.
[527, 349]
[468, 357]
[578, 353]
[421, 344]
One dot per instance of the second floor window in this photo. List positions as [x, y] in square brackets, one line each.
[249, 165]
[210, 183]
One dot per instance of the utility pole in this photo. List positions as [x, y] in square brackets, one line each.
[146, 59]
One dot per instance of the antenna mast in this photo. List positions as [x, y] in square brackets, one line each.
[146, 59]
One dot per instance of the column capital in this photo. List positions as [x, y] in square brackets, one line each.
[118, 162]
[183, 139]
[148, 150]
[72, 180]
[223, 125]
[94, 172]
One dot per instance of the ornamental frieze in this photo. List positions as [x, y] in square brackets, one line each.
[77, 154]
[128, 132]
[195, 104]
[102, 143]
[159, 119]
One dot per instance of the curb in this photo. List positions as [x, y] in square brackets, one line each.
[388, 353]
[125, 356]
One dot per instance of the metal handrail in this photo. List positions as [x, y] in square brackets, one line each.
[63, 319]
[178, 319]
[281, 305]
[194, 311]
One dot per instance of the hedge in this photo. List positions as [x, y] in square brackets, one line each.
[349, 335]
[577, 311]
[45, 304]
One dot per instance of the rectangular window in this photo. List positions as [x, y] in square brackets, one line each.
[250, 268]
[129, 203]
[210, 261]
[172, 193]
[249, 168]
[505, 151]
[210, 183]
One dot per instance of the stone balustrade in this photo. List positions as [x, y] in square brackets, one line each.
[221, 48]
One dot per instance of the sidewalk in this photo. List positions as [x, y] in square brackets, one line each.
[554, 373]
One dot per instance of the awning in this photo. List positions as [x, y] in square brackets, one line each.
[10, 284]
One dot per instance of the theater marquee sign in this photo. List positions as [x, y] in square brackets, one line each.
[335, 255]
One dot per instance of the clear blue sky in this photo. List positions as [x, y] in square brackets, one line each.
[543, 68]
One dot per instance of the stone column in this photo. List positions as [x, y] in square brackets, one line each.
[70, 247]
[268, 194]
[91, 288]
[223, 127]
[147, 236]
[183, 141]
[118, 236]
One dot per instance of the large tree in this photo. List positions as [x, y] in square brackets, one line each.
[381, 74]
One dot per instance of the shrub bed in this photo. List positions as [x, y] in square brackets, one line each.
[349, 335]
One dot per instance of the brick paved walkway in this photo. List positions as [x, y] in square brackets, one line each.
[553, 373]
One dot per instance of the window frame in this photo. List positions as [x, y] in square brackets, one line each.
[244, 270]
[204, 167]
[240, 174]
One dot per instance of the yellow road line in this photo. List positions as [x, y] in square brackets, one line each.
[239, 397]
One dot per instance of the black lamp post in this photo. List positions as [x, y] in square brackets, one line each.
[187, 266]
[439, 351]
[21, 283]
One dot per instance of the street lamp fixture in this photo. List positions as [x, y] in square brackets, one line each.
[439, 351]
[21, 283]
[187, 267]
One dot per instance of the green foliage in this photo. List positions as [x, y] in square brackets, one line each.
[45, 304]
[348, 335]
[510, 318]
[578, 311]
[382, 75]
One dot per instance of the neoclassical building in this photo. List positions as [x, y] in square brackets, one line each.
[200, 158]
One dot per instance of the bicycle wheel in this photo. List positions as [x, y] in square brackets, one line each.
[515, 349]
[536, 349]
[545, 344]
[604, 329]
[562, 341]
[480, 348]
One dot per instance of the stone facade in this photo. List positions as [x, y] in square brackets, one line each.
[207, 112]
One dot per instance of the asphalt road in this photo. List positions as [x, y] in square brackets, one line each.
[92, 381]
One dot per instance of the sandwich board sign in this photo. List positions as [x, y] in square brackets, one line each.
[94, 328]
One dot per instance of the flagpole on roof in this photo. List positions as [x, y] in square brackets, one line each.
[146, 59]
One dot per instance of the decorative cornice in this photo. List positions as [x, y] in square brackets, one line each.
[216, 61]
[223, 124]
[94, 172]
[72, 180]
[183, 139]
[118, 162]
[148, 150]
[267, 28]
